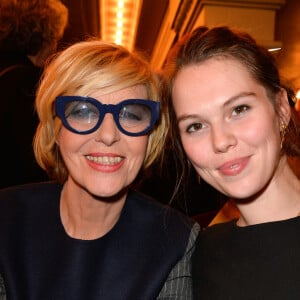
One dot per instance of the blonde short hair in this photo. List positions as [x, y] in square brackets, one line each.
[82, 69]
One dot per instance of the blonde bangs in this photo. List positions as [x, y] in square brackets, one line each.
[80, 70]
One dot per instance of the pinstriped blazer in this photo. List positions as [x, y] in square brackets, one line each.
[179, 283]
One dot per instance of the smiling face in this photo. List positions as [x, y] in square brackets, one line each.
[228, 126]
[106, 161]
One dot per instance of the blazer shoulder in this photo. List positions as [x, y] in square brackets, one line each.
[27, 192]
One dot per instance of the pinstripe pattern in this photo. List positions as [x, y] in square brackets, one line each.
[2, 289]
[179, 282]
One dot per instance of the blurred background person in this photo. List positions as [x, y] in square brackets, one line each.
[29, 33]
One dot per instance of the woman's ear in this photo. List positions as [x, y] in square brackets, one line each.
[284, 107]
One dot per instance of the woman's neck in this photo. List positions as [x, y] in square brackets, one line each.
[86, 217]
[279, 200]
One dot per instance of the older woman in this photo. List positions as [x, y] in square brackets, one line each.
[89, 235]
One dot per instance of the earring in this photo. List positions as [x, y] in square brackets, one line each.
[198, 179]
[282, 132]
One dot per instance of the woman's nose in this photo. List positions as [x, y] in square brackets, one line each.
[223, 138]
[108, 132]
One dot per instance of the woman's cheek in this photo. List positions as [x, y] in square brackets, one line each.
[198, 152]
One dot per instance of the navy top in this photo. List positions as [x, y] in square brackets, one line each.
[38, 260]
[255, 262]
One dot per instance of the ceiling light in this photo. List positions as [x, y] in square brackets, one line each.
[119, 21]
[274, 49]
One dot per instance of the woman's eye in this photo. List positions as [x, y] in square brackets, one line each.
[81, 111]
[130, 115]
[240, 109]
[194, 127]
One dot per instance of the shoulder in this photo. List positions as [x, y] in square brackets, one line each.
[14, 63]
[219, 227]
[20, 72]
[151, 216]
[25, 206]
[151, 208]
[216, 234]
[28, 193]
[212, 240]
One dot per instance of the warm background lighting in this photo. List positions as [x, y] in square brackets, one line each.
[297, 105]
[119, 20]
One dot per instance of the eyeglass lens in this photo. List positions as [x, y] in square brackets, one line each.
[84, 116]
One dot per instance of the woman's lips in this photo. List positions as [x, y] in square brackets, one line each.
[105, 163]
[234, 167]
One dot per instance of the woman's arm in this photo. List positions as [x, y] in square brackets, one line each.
[178, 285]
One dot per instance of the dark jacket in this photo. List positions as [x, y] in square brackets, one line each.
[18, 120]
[38, 260]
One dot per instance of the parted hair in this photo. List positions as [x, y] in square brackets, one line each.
[81, 69]
[203, 44]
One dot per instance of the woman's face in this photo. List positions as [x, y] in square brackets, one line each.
[105, 161]
[228, 126]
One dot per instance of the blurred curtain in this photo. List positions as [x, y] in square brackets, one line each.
[83, 21]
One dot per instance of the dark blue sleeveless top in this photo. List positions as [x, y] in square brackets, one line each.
[39, 261]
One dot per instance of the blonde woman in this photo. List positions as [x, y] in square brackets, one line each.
[88, 234]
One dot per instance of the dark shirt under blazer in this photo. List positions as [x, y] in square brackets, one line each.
[145, 256]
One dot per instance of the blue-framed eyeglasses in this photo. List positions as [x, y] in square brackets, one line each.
[84, 115]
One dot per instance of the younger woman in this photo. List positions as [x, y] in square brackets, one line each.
[232, 117]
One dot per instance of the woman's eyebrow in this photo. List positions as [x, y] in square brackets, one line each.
[186, 117]
[226, 103]
[237, 97]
